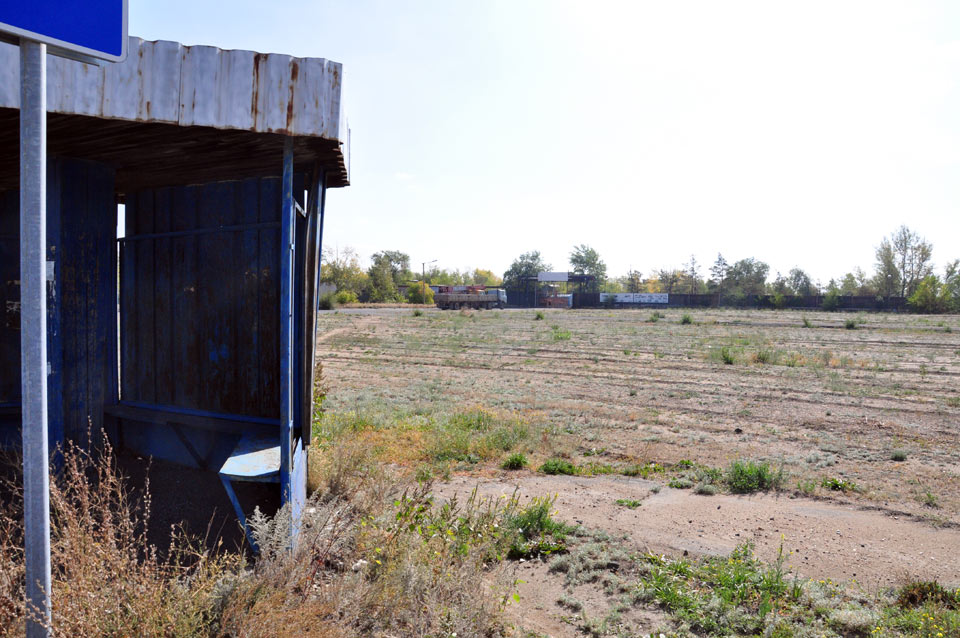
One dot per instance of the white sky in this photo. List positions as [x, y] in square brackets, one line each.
[796, 133]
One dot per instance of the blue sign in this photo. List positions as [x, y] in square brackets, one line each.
[95, 28]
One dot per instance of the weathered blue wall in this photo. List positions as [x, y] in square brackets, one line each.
[199, 315]
[81, 228]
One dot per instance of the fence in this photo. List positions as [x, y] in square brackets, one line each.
[527, 299]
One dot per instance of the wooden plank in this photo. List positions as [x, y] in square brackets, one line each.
[163, 297]
[211, 298]
[186, 350]
[248, 325]
[146, 318]
[269, 300]
[102, 309]
[55, 392]
[9, 297]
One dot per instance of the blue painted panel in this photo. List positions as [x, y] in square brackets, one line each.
[199, 311]
[10, 299]
[91, 27]
[164, 442]
[88, 221]
[81, 221]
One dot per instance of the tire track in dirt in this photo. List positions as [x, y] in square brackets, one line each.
[820, 539]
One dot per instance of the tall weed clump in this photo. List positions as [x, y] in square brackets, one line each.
[107, 579]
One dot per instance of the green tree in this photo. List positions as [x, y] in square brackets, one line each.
[912, 255]
[342, 269]
[848, 285]
[718, 273]
[670, 279]
[632, 282]
[951, 285]
[887, 277]
[381, 287]
[397, 263]
[418, 293]
[931, 296]
[692, 275]
[586, 261]
[486, 278]
[799, 282]
[747, 277]
[526, 265]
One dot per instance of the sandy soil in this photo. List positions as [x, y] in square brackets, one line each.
[615, 387]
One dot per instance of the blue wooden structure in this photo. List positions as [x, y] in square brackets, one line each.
[190, 337]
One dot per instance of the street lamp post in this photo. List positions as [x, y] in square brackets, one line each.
[423, 279]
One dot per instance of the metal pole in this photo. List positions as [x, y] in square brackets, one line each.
[33, 333]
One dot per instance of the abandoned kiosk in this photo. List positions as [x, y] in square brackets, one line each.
[188, 336]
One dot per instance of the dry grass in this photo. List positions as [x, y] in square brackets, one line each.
[376, 557]
[107, 580]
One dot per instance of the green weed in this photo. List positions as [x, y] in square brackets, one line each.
[516, 461]
[744, 477]
[537, 532]
[558, 466]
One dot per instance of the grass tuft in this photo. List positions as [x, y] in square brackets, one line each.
[516, 461]
[744, 477]
[558, 466]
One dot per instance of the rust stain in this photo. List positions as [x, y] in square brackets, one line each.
[294, 74]
[258, 59]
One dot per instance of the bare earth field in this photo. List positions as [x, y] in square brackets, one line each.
[862, 419]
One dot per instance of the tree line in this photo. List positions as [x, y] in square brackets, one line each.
[903, 268]
[388, 274]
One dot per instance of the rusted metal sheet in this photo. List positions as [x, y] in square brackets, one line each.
[166, 82]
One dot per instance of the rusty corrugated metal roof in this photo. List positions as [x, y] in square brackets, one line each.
[166, 82]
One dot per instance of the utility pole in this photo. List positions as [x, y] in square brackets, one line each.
[423, 279]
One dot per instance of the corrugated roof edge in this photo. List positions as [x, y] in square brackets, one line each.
[168, 82]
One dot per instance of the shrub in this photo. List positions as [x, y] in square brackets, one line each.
[559, 334]
[558, 466]
[417, 312]
[420, 294]
[850, 324]
[538, 316]
[654, 317]
[779, 301]
[628, 502]
[744, 477]
[726, 356]
[898, 455]
[831, 300]
[345, 297]
[516, 461]
[806, 322]
[686, 319]
[327, 301]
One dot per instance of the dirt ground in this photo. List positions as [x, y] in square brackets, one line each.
[876, 406]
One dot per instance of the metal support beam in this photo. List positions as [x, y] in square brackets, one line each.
[287, 355]
[33, 333]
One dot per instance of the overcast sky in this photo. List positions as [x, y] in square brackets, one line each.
[796, 133]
